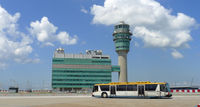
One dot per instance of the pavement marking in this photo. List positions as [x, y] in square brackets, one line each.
[185, 96]
[23, 97]
[37, 97]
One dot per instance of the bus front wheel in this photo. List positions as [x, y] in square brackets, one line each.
[104, 95]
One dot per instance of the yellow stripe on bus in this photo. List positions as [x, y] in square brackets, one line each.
[132, 83]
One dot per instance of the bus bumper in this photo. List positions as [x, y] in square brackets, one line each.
[169, 95]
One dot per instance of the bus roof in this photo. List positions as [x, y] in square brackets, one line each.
[132, 83]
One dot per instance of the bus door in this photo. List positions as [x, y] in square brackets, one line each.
[112, 90]
[140, 90]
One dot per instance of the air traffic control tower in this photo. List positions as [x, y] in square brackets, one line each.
[122, 38]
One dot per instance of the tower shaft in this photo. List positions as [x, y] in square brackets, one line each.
[122, 61]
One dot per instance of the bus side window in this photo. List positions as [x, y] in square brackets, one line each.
[95, 88]
[150, 87]
[121, 87]
[131, 87]
[104, 87]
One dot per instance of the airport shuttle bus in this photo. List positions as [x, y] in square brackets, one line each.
[132, 89]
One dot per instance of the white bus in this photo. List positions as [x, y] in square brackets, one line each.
[132, 89]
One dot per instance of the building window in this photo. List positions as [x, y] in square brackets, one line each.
[57, 60]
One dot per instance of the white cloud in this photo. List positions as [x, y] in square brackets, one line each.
[12, 50]
[136, 44]
[49, 44]
[45, 32]
[84, 10]
[176, 54]
[13, 43]
[27, 60]
[149, 20]
[8, 22]
[65, 39]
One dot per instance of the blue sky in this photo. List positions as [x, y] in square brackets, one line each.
[165, 45]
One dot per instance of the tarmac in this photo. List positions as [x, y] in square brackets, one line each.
[88, 101]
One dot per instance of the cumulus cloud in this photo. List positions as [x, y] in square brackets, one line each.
[150, 21]
[13, 43]
[46, 33]
[84, 10]
[27, 60]
[8, 22]
[64, 38]
[43, 29]
[176, 54]
[136, 44]
[14, 49]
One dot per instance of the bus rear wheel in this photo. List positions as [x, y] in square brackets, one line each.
[104, 95]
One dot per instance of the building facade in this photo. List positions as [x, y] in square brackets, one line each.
[72, 72]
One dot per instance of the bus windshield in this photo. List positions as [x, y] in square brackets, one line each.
[167, 86]
[164, 88]
[95, 89]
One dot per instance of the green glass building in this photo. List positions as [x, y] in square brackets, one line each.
[80, 71]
